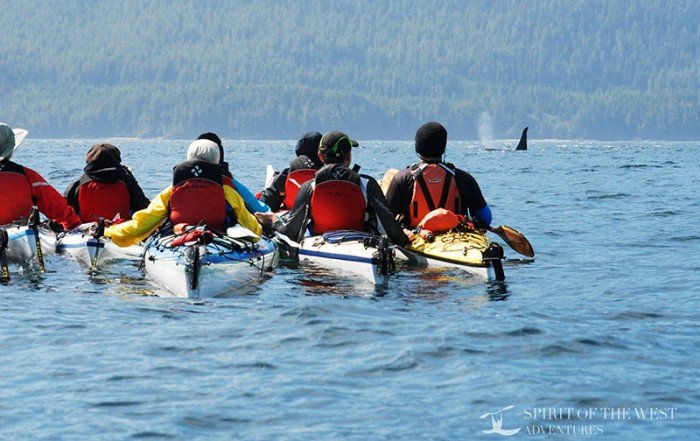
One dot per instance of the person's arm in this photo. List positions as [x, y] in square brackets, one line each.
[391, 226]
[273, 195]
[71, 195]
[399, 193]
[473, 202]
[251, 202]
[294, 223]
[245, 218]
[138, 200]
[142, 223]
[50, 201]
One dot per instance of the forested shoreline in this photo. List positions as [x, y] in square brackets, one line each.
[376, 69]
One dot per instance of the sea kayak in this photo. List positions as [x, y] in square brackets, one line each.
[208, 268]
[87, 246]
[351, 253]
[467, 249]
[21, 244]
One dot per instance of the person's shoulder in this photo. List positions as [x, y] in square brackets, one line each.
[302, 162]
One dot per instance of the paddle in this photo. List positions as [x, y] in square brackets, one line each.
[269, 176]
[4, 269]
[240, 232]
[287, 240]
[386, 180]
[97, 234]
[34, 225]
[512, 237]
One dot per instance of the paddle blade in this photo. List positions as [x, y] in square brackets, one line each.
[515, 240]
[386, 180]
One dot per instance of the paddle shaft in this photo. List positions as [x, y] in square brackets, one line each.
[4, 269]
[34, 225]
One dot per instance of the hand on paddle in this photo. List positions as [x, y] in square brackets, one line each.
[410, 234]
[266, 219]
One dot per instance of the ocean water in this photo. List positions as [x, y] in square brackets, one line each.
[597, 338]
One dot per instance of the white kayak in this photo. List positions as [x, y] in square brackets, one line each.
[21, 245]
[352, 253]
[82, 244]
[199, 269]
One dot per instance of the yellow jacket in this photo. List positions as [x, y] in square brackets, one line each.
[145, 221]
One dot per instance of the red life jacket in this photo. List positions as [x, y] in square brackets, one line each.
[16, 200]
[434, 186]
[98, 199]
[337, 205]
[197, 197]
[293, 184]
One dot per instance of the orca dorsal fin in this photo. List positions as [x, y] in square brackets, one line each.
[522, 145]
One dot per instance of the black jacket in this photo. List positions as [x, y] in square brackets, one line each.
[381, 219]
[273, 195]
[113, 173]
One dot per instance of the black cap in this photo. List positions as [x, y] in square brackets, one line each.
[308, 144]
[335, 145]
[431, 139]
[215, 138]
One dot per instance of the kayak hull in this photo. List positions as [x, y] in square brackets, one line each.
[208, 270]
[82, 246]
[21, 246]
[352, 253]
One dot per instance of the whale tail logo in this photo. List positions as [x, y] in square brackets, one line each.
[497, 423]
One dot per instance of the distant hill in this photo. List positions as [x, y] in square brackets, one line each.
[376, 69]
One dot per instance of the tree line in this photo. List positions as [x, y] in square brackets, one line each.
[376, 69]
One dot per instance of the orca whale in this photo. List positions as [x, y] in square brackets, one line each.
[522, 145]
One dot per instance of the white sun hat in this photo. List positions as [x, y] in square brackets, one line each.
[10, 139]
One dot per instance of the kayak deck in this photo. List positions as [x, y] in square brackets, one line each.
[208, 270]
[468, 250]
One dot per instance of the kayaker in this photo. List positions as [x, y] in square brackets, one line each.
[338, 198]
[107, 189]
[432, 183]
[23, 188]
[251, 202]
[281, 193]
[197, 197]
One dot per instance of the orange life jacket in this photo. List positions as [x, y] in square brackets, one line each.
[98, 199]
[294, 181]
[337, 205]
[434, 186]
[16, 200]
[197, 196]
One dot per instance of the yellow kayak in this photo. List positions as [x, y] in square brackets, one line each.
[469, 250]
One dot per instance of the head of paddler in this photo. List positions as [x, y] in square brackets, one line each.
[203, 150]
[336, 148]
[307, 152]
[103, 163]
[308, 144]
[215, 138]
[104, 155]
[10, 139]
[431, 140]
